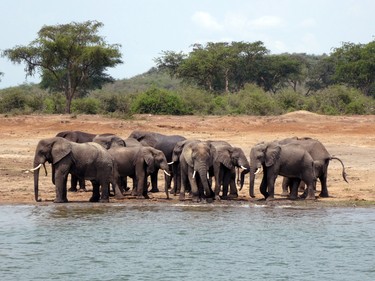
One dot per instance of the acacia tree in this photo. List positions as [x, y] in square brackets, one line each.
[71, 58]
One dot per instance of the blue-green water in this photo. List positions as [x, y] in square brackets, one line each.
[185, 242]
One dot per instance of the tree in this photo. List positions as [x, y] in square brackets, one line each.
[71, 58]
[355, 66]
[277, 71]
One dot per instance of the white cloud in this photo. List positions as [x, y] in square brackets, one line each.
[206, 21]
[310, 22]
[266, 22]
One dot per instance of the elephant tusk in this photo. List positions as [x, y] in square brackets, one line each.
[194, 174]
[208, 176]
[165, 172]
[244, 168]
[36, 168]
[170, 163]
[258, 171]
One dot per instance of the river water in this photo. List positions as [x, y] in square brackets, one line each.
[185, 242]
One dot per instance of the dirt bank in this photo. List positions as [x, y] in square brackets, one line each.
[352, 138]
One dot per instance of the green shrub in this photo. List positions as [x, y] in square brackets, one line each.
[13, 100]
[54, 104]
[337, 100]
[87, 105]
[290, 100]
[158, 101]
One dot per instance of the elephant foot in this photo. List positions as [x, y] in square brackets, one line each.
[284, 194]
[60, 201]
[181, 197]
[233, 196]
[210, 200]
[290, 197]
[270, 198]
[217, 197]
[154, 190]
[82, 190]
[73, 189]
[323, 194]
[310, 197]
[104, 200]
[119, 196]
[94, 199]
[195, 199]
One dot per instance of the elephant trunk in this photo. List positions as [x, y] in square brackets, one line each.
[252, 180]
[36, 181]
[203, 175]
[242, 178]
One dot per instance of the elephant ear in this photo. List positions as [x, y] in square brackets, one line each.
[148, 156]
[272, 154]
[60, 149]
[224, 157]
[177, 150]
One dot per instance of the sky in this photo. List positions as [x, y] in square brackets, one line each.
[145, 28]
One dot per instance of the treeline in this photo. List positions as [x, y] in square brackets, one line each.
[186, 100]
[228, 67]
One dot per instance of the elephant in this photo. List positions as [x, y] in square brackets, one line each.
[84, 160]
[78, 137]
[164, 143]
[289, 160]
[177, 150]
[197, 157]
[321, 157]
[138, 162]
[226, 159]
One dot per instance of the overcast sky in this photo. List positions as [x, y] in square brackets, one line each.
[144, 28]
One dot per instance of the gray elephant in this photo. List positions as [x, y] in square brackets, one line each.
[78, 137]
[87, 161]
[197, 158]
[226, 159]
[289, 160]
[321, 157]
[164, 143]
[138, 162]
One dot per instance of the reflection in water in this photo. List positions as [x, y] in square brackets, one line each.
[185, 242]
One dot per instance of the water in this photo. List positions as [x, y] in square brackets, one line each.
[185, 242]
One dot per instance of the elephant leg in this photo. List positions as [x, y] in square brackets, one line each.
[294, 184]
[271, 178]
[285, 186]
[104, 198]
[232, 185]
[61, 190]
[95, 191]
[323, 182]
[82, 185]
[154, 182]
[73, 183]
[263, 186]
[226, 179]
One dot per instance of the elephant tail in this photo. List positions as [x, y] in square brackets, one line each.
[344, 174]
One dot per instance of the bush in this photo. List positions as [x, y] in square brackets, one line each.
[252, 100]
[85, 105]
[158, 101]
[337, 100]
[13, 100]
[290, 100]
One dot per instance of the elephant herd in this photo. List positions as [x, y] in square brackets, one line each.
[206, 170]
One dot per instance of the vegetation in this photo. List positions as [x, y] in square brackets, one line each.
[72, 58]
[216, 78]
